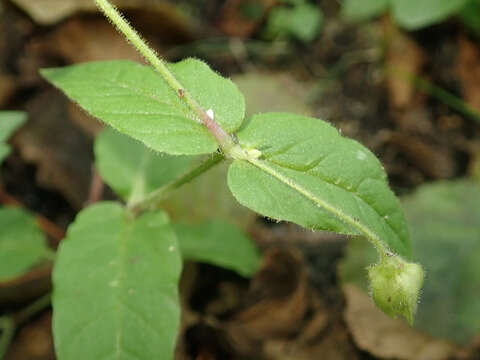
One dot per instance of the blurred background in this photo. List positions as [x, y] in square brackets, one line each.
[400, 76]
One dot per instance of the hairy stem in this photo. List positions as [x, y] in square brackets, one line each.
[9, 324]
[224, 140]
[155, 197]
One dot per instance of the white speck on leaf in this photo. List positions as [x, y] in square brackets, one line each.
[361, 155]
[151, 224]
[113, 283]
[211, 114]
[171, 248]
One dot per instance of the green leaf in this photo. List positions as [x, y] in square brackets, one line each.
[22, 244]
[444, 219]
[310, 175]
[354, 10]
[215, 201]
[470, 15]
[135, 100]
[262, 95]
[115, 286]
[302, 21]
[131, 169]
[445, 224]
[9, 122]
[218, 243]
[415, 14]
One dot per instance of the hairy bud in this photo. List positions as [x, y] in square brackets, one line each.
[395, 286]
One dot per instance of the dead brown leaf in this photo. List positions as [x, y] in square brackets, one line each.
[416, 119]
[388, 338]
[62, 154]
[27, 287]
[49, 12]
[471, 352]
[334, 345]
[276, 303]
[235, 19]
[82, 39]
[7, 88]
[34, 341]
[404, 59]
[435, 161]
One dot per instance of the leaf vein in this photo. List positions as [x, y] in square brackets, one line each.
[319, 202]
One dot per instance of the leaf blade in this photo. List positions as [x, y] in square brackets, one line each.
[310, 175]
[354, 10]
[135, 100]
[414, 15]
[9, 122]
[130, 168]
[218, 243]
[107, 274]
[22, 244]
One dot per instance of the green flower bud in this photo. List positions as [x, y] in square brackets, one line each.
[395, 286]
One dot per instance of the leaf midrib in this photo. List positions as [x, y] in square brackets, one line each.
[262, 165]
[123, 238]
[352, 189]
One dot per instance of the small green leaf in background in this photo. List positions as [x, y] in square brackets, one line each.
[444, 220]
[9, 122]
[115, 286]
[215, 201]
[301, 21]
[355, 10]
[310, 175]
[135, 100]
[218, 243]
[262, 94]
[131, 169]
[415, 14]
[22, 244]
[412, 14]
[470, 15]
